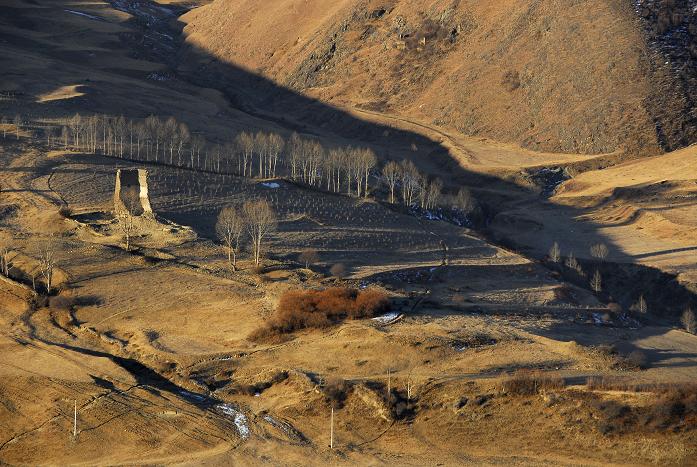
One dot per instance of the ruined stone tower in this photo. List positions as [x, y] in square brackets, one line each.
[131, 192]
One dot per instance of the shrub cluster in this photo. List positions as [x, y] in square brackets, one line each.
[527, 383]
[674, 408]
[302, 309]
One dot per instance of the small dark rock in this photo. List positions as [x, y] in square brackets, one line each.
[482, 399]
[461, 403]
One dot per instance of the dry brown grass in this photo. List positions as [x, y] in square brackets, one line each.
[527, 383]
[302, 309]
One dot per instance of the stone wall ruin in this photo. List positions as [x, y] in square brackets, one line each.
[131, 193]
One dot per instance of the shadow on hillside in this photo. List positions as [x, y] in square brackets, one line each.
[660, 351]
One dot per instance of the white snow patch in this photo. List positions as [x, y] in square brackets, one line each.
[79, 13]
[271, 185]
[238, 417]
[191, 395]
[386, 318]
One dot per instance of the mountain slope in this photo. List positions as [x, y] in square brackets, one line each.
[582, 76]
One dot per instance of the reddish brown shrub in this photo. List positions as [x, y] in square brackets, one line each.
[301, 309]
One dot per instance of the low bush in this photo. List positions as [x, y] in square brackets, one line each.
[527, 383]
[61, 303]
[338, 271]
[638, 360]
[336, 391]
[676, 406]
[302, 309]
[65, 211]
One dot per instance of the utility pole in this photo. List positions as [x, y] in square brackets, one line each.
[75, 421]
[331, 430]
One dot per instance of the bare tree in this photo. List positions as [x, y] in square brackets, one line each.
[3, 122]
[48, 131]
[275, 145]
[555, 253]
[120, 131]
[571, 262]
[47, 264]
[410, 178]
[600, 251]
[313, 155]
[65, 134]
[261, 141]
[464, 201]
[689, 321]
[158, 131]
[131, 200]
[229, 228]
[391, 175]
[308, 256]
[434, 193]
[640, 306]
[198, 143]
[183, 138]
[245, 144]
[141, 132]
[367, 161]
[5, 260]
[18, 125]
[75, 125]
[596, 282]
[336, 163]
[295, 149]
[260, 220]
[170, 132]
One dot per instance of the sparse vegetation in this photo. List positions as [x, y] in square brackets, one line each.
[229, 229]
[600, 251]
[555, 253]
[638, 359]
[527, 382]
[308, 257]
[596, 282]
[302, 309]
[390, 173]
[47, 264]
[640, 307]
[5, 260]
[689, 321]
[260, 220]
[18, 125]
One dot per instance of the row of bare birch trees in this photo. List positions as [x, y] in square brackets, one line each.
[348, 170]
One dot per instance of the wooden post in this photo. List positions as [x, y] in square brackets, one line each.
[389, 383]
[331, 430]
[75, 421]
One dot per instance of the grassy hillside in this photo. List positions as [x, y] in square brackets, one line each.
[588, 77]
